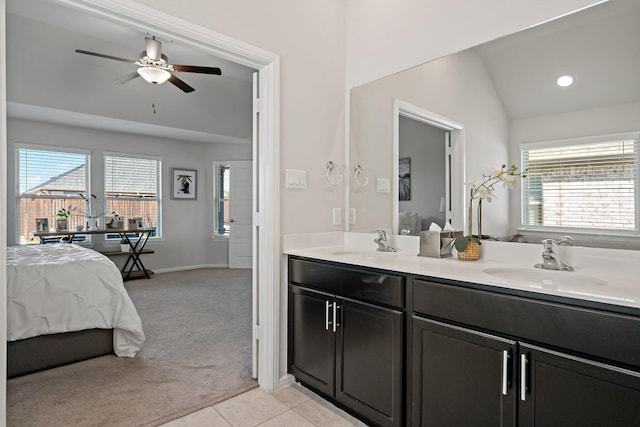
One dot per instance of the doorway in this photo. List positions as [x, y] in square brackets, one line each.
[453, 133]
[423, 183]
[267, 248]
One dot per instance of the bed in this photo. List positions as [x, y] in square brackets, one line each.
[66, 303]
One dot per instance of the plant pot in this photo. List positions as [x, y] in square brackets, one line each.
[471, 253]
[92, 224]
[62, 224]
[124, 247]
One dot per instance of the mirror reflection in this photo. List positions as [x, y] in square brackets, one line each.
[489, 100]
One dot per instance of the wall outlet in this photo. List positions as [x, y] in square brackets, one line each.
[337, 216]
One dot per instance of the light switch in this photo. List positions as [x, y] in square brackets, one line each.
[383, 185]
[296, 179]
[352, 216]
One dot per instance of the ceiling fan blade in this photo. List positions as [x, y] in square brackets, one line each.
[179, 83]
[126, 78]
[153, 48]
[196, 69]
[101, 55]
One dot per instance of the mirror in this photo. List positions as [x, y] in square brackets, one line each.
[492, 98]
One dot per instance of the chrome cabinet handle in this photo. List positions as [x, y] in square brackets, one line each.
[335, 318]
[326, 315]
[523, 377]
[505, 368]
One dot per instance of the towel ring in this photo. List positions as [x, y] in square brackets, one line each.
[334, 174]
[360, 176]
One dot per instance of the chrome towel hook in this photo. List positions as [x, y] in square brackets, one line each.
[360, 176]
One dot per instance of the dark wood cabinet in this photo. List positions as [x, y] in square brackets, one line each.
[311, 339]
[399, 349]
[350, 350]
[369, 361]
[479, 345]
[461, 377]
[558, 389]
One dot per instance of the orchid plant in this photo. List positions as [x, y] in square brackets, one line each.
[484, 189]
[87, 204]
[509, 177]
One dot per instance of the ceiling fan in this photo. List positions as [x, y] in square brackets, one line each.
[154, 66]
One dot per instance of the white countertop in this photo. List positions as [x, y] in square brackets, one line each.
[610, 276]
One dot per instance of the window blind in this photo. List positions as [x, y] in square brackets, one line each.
[47, 181]
[221, 200]
[42, 172]
[587, 186]
[132, 189]
[130, 177]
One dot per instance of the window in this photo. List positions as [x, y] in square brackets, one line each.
[49, 180]
[132, 189]
[584, 185]
[221, 199]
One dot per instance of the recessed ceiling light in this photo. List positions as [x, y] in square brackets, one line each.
[565, 81]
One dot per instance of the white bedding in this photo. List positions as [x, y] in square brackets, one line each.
[65, 287]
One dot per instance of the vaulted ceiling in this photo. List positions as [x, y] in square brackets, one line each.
[599, 47]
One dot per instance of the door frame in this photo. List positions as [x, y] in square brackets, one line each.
[454, 162]
[266, 219]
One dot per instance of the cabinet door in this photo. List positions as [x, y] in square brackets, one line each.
[461, 377]
[311, 346]
[562, 390]
[369, 362]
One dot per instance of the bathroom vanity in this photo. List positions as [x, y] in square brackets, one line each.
[402, 340]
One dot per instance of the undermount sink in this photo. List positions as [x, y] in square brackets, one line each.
[372, 254]
[545, 277]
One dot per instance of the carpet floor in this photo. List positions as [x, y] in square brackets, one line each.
[197, 352]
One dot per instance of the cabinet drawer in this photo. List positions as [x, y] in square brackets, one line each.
[367, 285]
[611, 336]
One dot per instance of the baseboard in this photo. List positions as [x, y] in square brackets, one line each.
[189, 267]
[286, 380]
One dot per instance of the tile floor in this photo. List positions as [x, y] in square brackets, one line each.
[292, 406]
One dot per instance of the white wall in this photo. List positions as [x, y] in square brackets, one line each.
[187, 225]
[384, 37]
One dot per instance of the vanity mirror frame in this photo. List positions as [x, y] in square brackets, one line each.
[503, 150]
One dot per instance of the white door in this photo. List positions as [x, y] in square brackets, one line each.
[240, 214]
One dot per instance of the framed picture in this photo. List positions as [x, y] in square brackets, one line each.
[136, 223]
[42, 224]
[185, 184]
[404, 180]
[114, 222]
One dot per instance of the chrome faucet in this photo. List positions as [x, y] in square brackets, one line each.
[550, 256]
[383, 243]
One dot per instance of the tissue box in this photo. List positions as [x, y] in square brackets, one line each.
[437, 244]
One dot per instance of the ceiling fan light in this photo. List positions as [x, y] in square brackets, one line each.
[154, 75]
